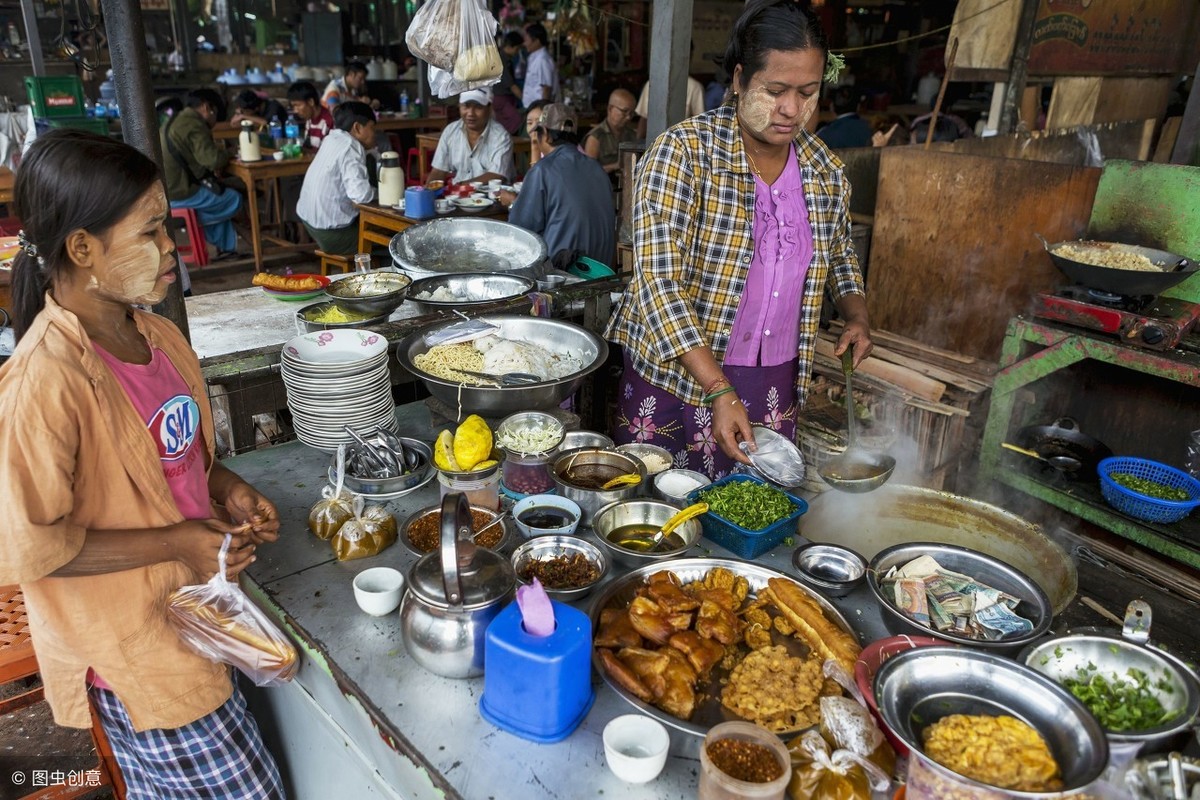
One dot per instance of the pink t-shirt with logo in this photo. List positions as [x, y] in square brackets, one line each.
[162, 398]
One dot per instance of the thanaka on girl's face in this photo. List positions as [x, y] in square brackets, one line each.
[134, 262]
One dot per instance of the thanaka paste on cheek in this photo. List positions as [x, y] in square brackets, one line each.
[755, 109]
[133, 275]
[807, 110]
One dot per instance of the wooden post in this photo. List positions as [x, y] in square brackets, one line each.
[1188, 141]
[139, 122]
[670, 52]
[1019, 68]
[937, 106]
[33, 37]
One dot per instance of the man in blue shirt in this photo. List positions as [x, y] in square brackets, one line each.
[849, 129]
[566, 197]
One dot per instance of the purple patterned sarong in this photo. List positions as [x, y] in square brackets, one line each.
[648, 414]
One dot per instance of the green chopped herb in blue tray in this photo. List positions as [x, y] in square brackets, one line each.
[753, 506]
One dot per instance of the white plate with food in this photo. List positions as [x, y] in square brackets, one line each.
[472, 203]
[754, 683]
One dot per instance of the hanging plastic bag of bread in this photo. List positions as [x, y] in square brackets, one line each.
[433, 34]
[819, 774]
[336, 507]
[847, 723]
[370, 531]
[218, 621]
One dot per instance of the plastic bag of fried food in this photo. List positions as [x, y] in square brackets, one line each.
[847, 724]
[819, 774]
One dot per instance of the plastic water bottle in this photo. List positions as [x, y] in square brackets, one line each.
[292, 129]
[101, 110]
[276, 131]
[404, 103]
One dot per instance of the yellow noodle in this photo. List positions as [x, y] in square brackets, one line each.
[444, 360]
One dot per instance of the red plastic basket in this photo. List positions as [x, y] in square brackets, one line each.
[868, 663]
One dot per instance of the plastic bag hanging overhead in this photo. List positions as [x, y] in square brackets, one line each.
[441, 25]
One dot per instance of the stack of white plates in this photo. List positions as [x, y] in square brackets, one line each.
[334, 379]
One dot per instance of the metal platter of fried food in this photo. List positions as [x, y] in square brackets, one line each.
[700, 641]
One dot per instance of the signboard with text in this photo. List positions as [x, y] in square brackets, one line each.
[1115, 37]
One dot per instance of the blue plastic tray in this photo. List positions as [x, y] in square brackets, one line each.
[741, 541]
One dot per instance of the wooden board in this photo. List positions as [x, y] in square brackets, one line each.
[1088, 100]
[1062, 146]
[954, 254]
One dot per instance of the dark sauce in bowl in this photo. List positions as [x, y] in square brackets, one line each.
[546, 518]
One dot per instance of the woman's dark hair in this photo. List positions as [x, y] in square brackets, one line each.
[536, 104]
[69, 180]
[771, 25]
[347, 113]
[303, 90]
[561, 137]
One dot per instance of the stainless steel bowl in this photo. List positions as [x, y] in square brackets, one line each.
[642, 451]
[495, 401]
[401, 483]
[918, 687]
[1175, 686]
[573, 440]
[305, 317]
[642, 512]
[660, 484]
[468, 244]
[829, 568]
[1034, 605]
[605, 464]
[436, 510]
[378, 292]
[469, 289]
[546, 547]
[532, 422]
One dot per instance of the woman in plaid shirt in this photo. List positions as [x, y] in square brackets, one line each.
[741, 221]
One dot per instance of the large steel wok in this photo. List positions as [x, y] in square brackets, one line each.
[468, 244]
[1176, 268]
[869, 523]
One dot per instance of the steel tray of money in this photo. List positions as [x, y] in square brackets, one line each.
[1032, 603]
[620, 593]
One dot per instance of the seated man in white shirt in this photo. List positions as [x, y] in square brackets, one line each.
[476, 147]
[337, 179]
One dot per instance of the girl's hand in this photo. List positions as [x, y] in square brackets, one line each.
[197, 543]
[731, 424]
[858, 336]
[247, 507]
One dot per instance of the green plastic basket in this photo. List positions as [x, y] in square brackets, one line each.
[56, 96]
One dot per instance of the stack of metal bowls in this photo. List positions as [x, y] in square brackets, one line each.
[376, 293]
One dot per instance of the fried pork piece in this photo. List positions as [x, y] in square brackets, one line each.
[722, 597]
[775, 690]
[714, 621]
[649, 666]
[624, 676]
[703, 654]
[616, 630]
[649, 619]
[668, 595]
[721, 578]
[679, 695]
[756, 636]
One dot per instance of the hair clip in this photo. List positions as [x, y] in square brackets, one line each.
[29, 248]
[834, 64]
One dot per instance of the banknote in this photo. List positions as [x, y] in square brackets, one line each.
[910, 599]
[1000, 620]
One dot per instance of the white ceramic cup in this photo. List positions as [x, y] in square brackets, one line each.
[443, 206]
[635, 747]
[378, 590]
[277, 155]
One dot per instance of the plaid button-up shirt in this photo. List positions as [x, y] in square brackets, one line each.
[693, 242]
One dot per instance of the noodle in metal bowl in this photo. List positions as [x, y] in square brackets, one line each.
[1112, 259]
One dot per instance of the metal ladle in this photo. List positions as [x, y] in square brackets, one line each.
[694, 510]
[855, 470]
[504, 379]
[1061, 463]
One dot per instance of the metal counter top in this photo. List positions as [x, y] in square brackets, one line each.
[432, 721]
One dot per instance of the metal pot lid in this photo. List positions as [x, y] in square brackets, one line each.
[470, 577]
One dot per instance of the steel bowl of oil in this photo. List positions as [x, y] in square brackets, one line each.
[626, 529]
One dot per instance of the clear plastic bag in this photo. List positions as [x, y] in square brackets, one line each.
[370, 531]
[336, 507]
[466, 331]
[218, 621]
[776, 459]
[433, 35]
[478, 63]
[818, 774]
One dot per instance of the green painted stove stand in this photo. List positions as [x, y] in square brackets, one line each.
[1032, 350]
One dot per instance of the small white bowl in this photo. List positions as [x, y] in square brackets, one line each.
[566, 504]
[278, 155]
[378, 590]
[635, 747]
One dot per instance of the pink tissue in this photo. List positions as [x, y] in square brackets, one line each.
[537, 614]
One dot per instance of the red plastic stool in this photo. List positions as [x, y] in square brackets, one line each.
[194, 250]
[412, 169]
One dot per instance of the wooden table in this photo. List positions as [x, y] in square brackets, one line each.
[268, 171]
[7, 178]
[387, 123]
[377, 225]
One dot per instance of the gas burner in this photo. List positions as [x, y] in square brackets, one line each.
[1144, 321]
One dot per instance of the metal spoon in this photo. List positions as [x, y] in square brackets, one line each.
[503, 516]
[386, 459]
[855, 471]
[504, 379]
[1062, 463]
